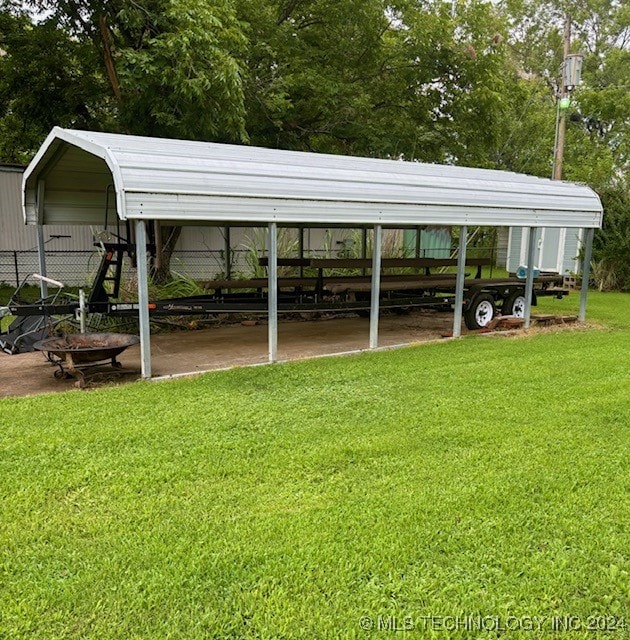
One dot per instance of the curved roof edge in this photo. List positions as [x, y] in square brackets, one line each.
[181, 180]
[45, 157]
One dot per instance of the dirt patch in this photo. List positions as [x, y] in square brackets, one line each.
[227, 346]
[230, 346]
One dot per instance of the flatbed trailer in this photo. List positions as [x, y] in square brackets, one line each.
[483, 297]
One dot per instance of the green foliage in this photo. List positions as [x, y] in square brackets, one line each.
[359, 77]
[611, 246]
[179, 70]
[176, 63]
[289, 501]
[600, 31]
[311, 68]
[47, 79]
[255, 244]
[179, 287]
[370, 79]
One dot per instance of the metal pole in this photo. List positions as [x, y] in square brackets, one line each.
[17, 268]
[272, 286]
[82, 311]
[376, 284]
[418, 242]
[529, 281]
[459, 283]
[228, 256]
[41, 257]
[586, 271]
[41, 247]
[557, 165]
[555, 141]
[143, 298]
[562, 119]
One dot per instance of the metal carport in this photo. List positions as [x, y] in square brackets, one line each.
[75, 174]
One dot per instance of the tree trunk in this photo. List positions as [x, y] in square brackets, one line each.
[161, 271]
[108, 58]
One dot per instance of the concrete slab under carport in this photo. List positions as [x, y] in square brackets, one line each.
[232, 345]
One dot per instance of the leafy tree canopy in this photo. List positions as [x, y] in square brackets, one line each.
[47, 78]
[401, 78]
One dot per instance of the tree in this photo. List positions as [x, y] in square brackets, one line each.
[600, 31]
[611, 246]
[46, 79]
[376, 78]
[173, 68]
[395, 79]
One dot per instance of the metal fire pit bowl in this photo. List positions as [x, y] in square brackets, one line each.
[79, 351]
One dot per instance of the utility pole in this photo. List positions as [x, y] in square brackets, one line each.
[561, 119]
[570, 74]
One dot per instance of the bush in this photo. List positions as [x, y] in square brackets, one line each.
[611, 245]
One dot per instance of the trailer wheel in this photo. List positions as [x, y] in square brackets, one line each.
[480, 311]
[514, 305]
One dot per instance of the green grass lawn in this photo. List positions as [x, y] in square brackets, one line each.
[480, 477]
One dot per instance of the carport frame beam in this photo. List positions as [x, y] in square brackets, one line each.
[529, 280]
[272, 287]
[41, 245]
[459, 282]
[586, 271]
[143, 299]
[376, 284]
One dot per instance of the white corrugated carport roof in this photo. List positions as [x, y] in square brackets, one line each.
[201, 182]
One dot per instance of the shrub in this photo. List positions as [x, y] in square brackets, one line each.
[611, 245]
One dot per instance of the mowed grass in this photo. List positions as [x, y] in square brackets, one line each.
[481, 477]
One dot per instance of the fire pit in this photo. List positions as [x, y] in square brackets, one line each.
[76, 352]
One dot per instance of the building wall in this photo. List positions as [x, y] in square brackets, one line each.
[73, 258]
[572, 245]
[567, 248]
[513, 258]
[503, 239]
[16, 236]
[435, 242]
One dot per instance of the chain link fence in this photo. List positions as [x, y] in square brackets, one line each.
[78, 268]
[74, 268]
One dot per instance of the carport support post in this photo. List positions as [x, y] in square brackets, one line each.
[272, 287]
[41, 256]
[143, 298]
[586, 271]
[41, 246]
[529, 281]
[376, 284]
[459, 282]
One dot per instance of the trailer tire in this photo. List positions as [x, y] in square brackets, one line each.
[480, 311]
[514, 304]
